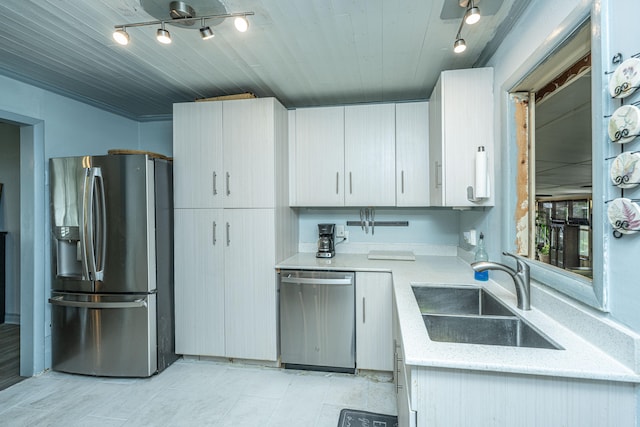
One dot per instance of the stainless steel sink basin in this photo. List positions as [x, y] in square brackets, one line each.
[471, 315]
[458, 300]
[490, 330]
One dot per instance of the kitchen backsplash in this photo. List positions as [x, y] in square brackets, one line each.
[429, 231]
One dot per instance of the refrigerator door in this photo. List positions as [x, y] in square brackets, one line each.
[104, 335]
[103, 224]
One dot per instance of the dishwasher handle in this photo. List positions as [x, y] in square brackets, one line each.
[316, 281]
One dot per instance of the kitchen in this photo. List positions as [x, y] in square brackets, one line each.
[51, 118]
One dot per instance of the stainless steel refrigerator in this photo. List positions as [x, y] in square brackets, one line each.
[112, 265]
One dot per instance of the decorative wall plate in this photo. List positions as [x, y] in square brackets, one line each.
[624, 124]
[624, 216]
[625, 78]
[625, 170]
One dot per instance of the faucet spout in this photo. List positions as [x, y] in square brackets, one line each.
[520, 276]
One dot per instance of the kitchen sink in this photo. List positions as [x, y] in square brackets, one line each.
[458, 300]
[471, 315]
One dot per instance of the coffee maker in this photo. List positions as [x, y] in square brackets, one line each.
[326, 241]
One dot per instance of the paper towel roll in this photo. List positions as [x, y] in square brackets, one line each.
[482, 185]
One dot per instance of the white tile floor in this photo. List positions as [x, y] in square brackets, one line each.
[195, 393]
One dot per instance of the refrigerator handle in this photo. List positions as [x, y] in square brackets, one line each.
[93, 240]
[90, 304]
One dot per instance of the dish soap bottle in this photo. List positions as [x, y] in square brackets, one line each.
[481, 255]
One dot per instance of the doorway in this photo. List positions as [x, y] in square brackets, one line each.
[9, 255]
[32, 258]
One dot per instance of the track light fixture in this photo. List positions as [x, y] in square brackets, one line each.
[121, 36]
[471, 16]
[163, 35]
[205, 31]
[241, 23]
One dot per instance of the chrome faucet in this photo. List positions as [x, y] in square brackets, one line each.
[520, 278]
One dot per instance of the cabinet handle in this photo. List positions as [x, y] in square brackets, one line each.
[363, 308]
[438, 177]
[228, 234]
[215, 186]
[228, 188]
[337, 181]
[350, 184]
[214, 233]
[402, 182]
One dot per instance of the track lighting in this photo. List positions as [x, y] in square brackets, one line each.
[163, 35]
[470, 17]
[121, 36]
[205, 32]
[241, 23]
[459, 45]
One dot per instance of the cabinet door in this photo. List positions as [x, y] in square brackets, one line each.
[369, 138]
[197, 155]
[412, 154]
[250, 288]
[249, 153]
[317, 154]
[199, 282]
[374, 340]
[462, 107]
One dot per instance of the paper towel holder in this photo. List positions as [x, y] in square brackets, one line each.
[481, 174]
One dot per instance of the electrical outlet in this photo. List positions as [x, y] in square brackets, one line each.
[473, 238]
[340, 231]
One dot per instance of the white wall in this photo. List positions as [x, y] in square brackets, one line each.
[10, 216]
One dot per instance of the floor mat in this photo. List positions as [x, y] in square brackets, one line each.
[354, 418]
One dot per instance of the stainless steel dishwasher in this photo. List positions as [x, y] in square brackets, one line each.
[317, 320]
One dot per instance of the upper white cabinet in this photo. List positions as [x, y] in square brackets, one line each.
[460, 120]
[369, 155]
[412, 154]
[223, 154]
[197, 153]
[317, 152]
[361, 155]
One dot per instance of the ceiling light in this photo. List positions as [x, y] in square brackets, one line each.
[473, 15]
[459, 45]
[163, 35]
[121, 36]
[241, 23]
[205, 32]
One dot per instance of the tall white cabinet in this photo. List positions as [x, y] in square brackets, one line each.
[460, 120]
[232, 224]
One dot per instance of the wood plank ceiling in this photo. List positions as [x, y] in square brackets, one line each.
[305, 53]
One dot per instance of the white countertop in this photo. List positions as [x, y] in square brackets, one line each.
[578, 359]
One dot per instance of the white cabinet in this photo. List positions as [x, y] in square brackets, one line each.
[369, 155]
[412, 154]
[360, 155]
[460, 120]
[224, 154]
[199, 282]
[317, 152]
[250, 291]
[225, 248]
[402, 378]
[197, 153]
[374, 340]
